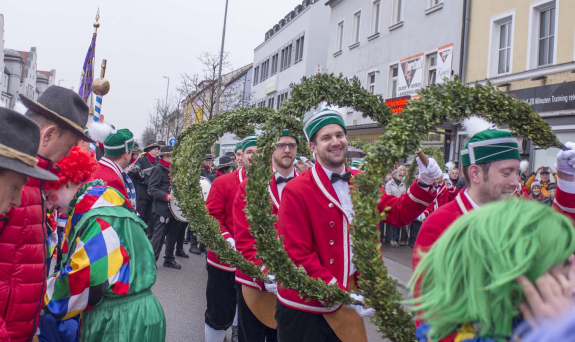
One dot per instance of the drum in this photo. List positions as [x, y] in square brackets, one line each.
[206, 185]
[176, 211]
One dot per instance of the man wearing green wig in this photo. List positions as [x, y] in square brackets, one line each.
[474, 279]
[490, 161]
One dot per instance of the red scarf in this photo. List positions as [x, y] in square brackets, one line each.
[132, 160]
[166, 164]
[219, 173]
[152, 159]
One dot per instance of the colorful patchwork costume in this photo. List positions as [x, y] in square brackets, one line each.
[107, 270]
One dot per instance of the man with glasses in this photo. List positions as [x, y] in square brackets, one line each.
[256, 300]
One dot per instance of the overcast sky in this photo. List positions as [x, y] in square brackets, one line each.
[142, 41]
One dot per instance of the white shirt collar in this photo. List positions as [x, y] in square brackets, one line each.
[473, 204]
[329, 172]
[278, 175]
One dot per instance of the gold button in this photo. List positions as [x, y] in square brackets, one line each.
[331, 224]
[331, 262]
[330, 205]
[331, 242]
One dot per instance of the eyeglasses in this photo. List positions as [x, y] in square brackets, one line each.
[283, 146]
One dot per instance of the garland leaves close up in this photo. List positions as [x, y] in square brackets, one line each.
[188, 156]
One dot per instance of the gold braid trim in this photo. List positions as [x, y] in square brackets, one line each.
[9, 152]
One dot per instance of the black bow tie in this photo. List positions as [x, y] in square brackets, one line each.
[345, 177]
[283, 179]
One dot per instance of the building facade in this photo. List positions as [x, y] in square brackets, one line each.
[395, 48]
[286, 55]
[526, 48]
[21, 76]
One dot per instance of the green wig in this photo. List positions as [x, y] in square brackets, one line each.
[469, 274]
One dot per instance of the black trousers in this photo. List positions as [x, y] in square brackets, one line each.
[144, 208]
[414, 231]
[301, 326]
[249, 326]
[182, 227]
[221, 297]
[167, 228]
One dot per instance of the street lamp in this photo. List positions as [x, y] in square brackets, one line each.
[221, 61]
[167, 89]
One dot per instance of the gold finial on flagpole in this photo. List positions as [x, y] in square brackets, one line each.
[101, 86]
[96, 23]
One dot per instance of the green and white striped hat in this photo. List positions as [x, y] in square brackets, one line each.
[320, 119]
[488, 146]
[238, 146]
[119, 142]
[286, 133]
[250, 140]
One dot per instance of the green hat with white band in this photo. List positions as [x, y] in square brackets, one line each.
[238, 146]
[320, 119]
[488, 146]
[250, 140]
[286, 133]
[119, 142]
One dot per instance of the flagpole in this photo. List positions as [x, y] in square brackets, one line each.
[218, 90]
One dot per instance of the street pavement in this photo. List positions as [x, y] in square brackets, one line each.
[182, 294]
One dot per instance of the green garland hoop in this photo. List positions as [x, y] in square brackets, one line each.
[430, 151]
[188, 156]
[307, 95]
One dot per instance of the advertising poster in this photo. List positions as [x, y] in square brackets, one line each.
[410, 78]
[444, 59]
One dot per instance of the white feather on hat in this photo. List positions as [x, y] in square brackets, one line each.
[476, 124]
[523, 166]
[100, 131]
[450, 166]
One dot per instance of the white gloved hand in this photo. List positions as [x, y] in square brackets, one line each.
[359, 308]
[232, 243]
[271, 287]
[428, 175]
[445, 177]
[421, 217]
[566, 160]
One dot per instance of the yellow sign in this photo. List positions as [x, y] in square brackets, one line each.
[199, 114]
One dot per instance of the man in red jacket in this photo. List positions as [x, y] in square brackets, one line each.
[490, 161]
[256, 300]
[314, 219]
[220, 290]
[117, 155]
[61, 116]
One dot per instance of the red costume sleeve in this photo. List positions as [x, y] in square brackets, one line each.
[216, 204]
[244, 240]
[405, 209]
[565, 203]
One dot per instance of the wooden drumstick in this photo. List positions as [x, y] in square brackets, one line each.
[422, 157]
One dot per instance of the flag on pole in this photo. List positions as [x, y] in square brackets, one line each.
[88, 67]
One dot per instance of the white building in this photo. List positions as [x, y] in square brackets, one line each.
[21, 76]
[395, 48]
[286, 55]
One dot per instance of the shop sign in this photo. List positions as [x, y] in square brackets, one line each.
[397, 104]
[549, 98]
[410, 78]
[444, 58]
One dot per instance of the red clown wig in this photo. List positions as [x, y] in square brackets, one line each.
[76, 167]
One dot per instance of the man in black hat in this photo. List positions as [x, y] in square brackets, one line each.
[166, 225]
[61, 116]
[207, 164]
[140, 173]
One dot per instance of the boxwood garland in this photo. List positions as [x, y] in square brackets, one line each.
[452, 99]
[188, 156]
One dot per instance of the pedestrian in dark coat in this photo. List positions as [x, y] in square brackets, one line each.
[139, 173]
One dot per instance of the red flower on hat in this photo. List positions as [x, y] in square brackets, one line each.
[76, 167]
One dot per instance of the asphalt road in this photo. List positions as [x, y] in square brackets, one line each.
[182, 295]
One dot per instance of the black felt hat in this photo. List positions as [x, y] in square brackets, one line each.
[19, 141]
[208, 154]
[225, 161]
[150, 145]
[162, 143]
[166, 151]
[64, 107]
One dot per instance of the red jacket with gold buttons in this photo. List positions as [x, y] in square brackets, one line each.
[220, 203]
[316, 232]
